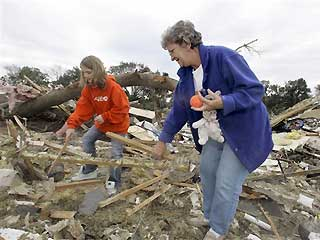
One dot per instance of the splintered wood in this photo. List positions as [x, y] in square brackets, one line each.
[20, 124]
[298, 108]
[123, 162]
[63, 186]
[62, 214]
[136, 144]
[149, 200]
[273, 226]
[131, 190]
[54, 163]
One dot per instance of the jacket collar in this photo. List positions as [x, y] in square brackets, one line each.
[204, 57]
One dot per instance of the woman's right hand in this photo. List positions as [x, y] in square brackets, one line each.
[69, 132]
[62, 130]
[158, 150]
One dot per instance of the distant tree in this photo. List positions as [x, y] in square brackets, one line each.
[317, 88]
[149, 98]
[296, 91]
[165, 74]
[68, 77]
[273, 97]
[12, 74]
[126, 67]
[278, 98]
[16, 75]
[135, 92]
[56, 71]
[3, 81]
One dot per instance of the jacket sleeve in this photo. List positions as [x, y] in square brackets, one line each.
[120, 107]
[246, 90]
[83, 112]
[175, 120]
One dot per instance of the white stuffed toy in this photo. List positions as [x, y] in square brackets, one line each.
[208, 126]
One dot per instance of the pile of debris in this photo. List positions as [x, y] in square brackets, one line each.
[157, 199]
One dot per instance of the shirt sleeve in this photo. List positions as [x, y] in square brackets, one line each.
[82, 113]
[246, 88]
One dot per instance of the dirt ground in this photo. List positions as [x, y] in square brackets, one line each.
[167, 217]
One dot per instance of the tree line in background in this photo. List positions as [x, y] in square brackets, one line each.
[148, 98]
[277, 98]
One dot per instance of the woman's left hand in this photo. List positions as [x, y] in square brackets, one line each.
[99, 119]
[212, 101]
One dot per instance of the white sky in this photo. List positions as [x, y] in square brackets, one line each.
[51, 33]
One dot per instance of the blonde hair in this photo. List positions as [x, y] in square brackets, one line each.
[97, 67]
[179, 33]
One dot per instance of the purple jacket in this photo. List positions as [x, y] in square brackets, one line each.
[244, 120]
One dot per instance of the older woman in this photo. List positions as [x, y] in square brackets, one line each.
[242, 117]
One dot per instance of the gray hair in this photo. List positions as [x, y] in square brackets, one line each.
[181, 32]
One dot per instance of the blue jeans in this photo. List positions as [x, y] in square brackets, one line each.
[222, 175]
[89, 139]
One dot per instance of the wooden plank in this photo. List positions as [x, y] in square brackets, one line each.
[67, 150]
[12, 130]
[63, 186]
[62, 214]
[142, 113]
[297, 108]
[23, 128]
[200, 192]
[132, 190]
[123, 162]
[35, 174]
[54, 163]
[273, 226]
[34, 85]
[130, 142]
[182, 184]
[136, 144]
[147, 201]
[140, 133]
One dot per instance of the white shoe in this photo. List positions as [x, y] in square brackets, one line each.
[211, 235]
[82, 176]
[111, 187]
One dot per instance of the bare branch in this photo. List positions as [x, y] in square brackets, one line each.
[248, 47]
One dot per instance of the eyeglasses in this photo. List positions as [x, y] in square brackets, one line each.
[171, 51]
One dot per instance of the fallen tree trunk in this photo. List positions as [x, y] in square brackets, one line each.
[56, 97]
[148, 79]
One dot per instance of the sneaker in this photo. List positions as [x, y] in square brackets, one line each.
[82, 176]
[111, 187]
[212, 236]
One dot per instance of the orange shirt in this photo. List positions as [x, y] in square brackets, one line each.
[111, 103]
